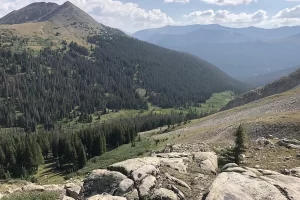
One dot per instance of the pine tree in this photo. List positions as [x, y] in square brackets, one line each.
[82, 157]
[240, 143]
[2, 157]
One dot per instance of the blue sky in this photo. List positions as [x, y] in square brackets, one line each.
[134, 15]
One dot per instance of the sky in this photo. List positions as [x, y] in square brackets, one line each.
[134, 15]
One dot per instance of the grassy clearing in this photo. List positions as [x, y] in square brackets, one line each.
[33, 196]
[215, 103]
[48, 175]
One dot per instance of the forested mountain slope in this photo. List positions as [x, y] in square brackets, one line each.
[73, 80]
[282, 85]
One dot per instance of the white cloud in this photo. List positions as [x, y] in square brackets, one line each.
[228, 2]
[177, 1]
[126, 16]
[289, 13]
[226, 17]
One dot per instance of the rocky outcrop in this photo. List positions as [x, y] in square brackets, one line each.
[236, 183]
[291, 144]
[155, 177]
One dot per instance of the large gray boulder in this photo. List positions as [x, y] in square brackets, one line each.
[250, 184]
[104, 181]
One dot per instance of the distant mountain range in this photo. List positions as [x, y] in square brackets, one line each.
[241, 52]
[264, 79]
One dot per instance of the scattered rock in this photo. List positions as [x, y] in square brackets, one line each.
[177, 181]
[163, 194]
[296, 172]
[291, 144]
[263, 141]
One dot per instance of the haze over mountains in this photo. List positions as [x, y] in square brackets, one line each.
[240, 52]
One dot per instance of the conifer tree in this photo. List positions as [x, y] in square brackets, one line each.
[240, 143]
[2, 157]
[82, 157]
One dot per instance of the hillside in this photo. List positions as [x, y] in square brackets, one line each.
[264, 79]
[74, 81]
[50, 27]
[240, 52]
[282, 85]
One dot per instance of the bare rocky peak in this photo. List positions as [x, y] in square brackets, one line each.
[30, 13]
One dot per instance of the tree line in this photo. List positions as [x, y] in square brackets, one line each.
[22, 153]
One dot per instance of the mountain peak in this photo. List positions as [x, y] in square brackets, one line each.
[31, 13]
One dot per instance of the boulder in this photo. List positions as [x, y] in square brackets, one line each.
[133, 195]
[140, 173]
[208, 161]
[174, 163]
[105, 197]
[164, 194]
[147, 184]
[125, 186]
[33, 188]
[73, 190]
[235, 186]
[1, 196]
[254, 184]
[104, 181]
[128, 166]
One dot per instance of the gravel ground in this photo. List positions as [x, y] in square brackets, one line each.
[260, 118]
